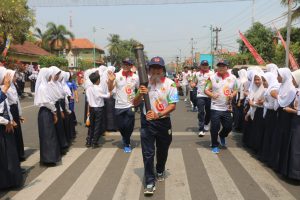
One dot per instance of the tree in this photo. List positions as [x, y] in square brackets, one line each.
[262, 39]
[15, 20]
[40, 38]
[57, 37]
[296, 11]
[47, 61]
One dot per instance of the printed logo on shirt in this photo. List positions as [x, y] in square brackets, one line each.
[226, 91]
[121, 78]
[174, 97]
[128, 90]
[159, 104]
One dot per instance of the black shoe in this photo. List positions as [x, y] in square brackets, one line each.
[88, 145]
[95, 146]
[149, 190]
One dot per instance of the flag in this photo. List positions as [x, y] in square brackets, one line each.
[292, 59]
[257, 57]
[7, 45]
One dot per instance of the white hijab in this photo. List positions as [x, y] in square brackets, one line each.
[42, 88]
[87, 81]
[272, 81]
[296, 75]
[57, 90]
[2, 74]
[66, 76]
[272, 68]
[12, 93]
[287, 90]
[255, 93]
[102, 69]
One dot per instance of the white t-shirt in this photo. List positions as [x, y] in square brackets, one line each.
[124, 90]
[298, 100]
[224, 88]
[96, 94]
[162, 94]
[202, 79]
[185, 77]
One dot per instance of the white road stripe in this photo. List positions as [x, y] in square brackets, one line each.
[221, 181]
[272, 188]
[27, 107]
[86, 182]
[130, 184]
[34, 189]
[31, 160]
[138, 134]
[177, 186]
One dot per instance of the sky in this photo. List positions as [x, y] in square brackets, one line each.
[165, 30]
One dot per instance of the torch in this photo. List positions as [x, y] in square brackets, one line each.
[143, 76]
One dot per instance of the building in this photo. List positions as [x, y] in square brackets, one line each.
[27, 52]
[83, 49]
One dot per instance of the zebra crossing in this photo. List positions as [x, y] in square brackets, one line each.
[108, 173]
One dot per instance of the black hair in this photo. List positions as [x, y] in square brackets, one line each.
[94, 77]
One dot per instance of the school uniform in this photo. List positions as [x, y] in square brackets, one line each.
[158, 131]
[270, 116]
[10, 170]
[126, 83]
[220, 113]
[282, 135]
[203, 101]
[95, 97]
[44, 98]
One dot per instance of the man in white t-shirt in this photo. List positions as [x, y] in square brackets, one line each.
[125, 83]
[157, 128]
[221, 88]
[185, 83]
[203, 101]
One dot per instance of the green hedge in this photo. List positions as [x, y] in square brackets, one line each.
[47, 61]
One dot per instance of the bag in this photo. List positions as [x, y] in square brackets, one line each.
[87, 122]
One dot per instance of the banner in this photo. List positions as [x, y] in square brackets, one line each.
[257, 57]
[292, 59]
[7, 45]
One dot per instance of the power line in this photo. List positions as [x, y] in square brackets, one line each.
[72, 3]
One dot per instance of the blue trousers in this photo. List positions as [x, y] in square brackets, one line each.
[125, 122]
[218, 118]
[203, 104]
[157, 132]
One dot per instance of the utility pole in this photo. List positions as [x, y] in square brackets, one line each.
[253, 11]
[217, 30]
[176, 69]
[192, 51]
[288, 34]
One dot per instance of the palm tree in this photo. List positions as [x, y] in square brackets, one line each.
[58, 37]
[114, 47]
[296, 11]
[41, 38]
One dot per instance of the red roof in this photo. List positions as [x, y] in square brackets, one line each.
[83, 44]
[28, 48]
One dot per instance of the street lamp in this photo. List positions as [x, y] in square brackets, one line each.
[211, 42]
[94, 49]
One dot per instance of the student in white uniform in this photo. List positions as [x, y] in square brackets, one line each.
[125, 83]
[185, 82]
[95, 95]
[221, 88]
[163, 97]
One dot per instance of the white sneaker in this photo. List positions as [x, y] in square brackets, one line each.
[206, 127]
[201, 134]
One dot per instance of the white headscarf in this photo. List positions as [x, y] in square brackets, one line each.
[273, 84]
[12, 93]
[287, 90]
[2, 74]
[42, 88]
[87, 81]
[57, 90]
[66, 76]
[255, 93]
[102, 69]
[272, 68]
[296, 75]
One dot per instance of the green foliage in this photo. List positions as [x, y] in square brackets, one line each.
[120, 49]
[240, 59]
[296, 11]
[15, 19]
[47, 61]
[261, 39]
[84, 64]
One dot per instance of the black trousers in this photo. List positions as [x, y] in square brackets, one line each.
[96, 128]
[203, 104]
[218, 118]
[32, 85]
[125, 122]
[193, 96]
[157, 132]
